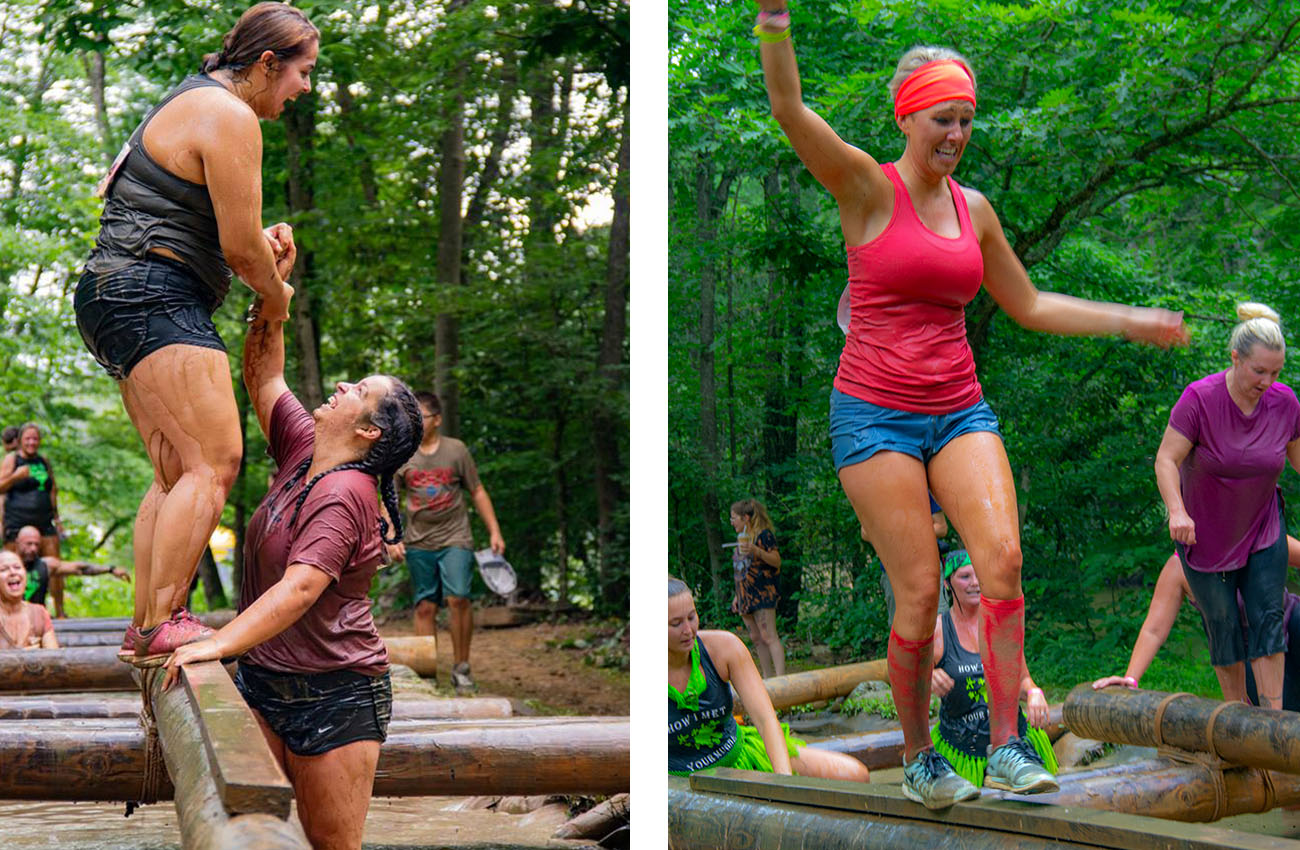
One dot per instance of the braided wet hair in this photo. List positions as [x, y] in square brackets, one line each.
[397, 415]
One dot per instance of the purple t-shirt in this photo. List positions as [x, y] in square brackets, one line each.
[337, 532]
[1229, 479]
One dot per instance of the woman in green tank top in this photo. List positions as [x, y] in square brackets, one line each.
[701, 729]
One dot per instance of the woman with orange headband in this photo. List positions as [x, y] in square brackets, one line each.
[907, 411]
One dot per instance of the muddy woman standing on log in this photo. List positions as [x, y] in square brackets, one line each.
[315, 669]
[1229, 437]
[183, 208]
[907, 410]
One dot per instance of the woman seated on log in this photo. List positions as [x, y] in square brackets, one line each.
[314, 668]
[962, 733]
[701, 729]
[1171, 590]
[23, 624]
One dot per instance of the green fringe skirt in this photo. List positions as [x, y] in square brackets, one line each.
[748, 753]
[971, 768]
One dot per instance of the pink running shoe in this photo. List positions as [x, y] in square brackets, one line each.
[127, 652]
[153, 649]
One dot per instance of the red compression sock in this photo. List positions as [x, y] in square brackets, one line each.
[1002, 649]
[910, 664]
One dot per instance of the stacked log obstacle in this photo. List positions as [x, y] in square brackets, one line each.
[720, 808]
[97, 668]
[104, 759]
[1235, 732]
[814, 685]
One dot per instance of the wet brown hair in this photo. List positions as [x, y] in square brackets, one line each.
[273, 26]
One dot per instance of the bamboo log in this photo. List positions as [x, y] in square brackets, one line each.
[205, 823]
[1238, 733]
[104, 760]
[813, 685]
[1172, 791]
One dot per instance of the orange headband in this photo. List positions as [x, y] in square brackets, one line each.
[934, 82]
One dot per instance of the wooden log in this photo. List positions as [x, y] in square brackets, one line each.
[813, 685]
[204, 821]
[1241, 734]
[880, 749]
[246, 773]
[97, 668]
[420, 653]
[1173, 791]
[127, 705]
[103, 760]
[985, 822]
[212, 619]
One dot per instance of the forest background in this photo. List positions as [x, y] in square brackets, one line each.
[457, 181]
[1144, 153]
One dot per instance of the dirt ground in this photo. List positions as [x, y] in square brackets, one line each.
[541, 667]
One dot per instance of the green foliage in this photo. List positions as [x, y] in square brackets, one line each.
[1132, 155]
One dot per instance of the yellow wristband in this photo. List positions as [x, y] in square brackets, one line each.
[771, 37]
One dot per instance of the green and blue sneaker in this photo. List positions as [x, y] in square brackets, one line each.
[930, 780]
[1016, 767]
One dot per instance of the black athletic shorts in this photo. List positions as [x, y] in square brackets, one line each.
[128, 314]
[314, 713]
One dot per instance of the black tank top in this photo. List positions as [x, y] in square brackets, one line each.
[28, 500]
[146, 206]
[964, 712]
[38, 581]
[701, 730]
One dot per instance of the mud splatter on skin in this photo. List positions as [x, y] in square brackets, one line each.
[1002, 648]
[910, 663]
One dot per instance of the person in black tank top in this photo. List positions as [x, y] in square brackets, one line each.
[169, 239]
[701, 729]
[31, 498]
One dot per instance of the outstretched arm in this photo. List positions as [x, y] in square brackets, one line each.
[59, 567]
[1171, 588]
[264, 364]
[735, 665]
[1007, 281]
[847, 172]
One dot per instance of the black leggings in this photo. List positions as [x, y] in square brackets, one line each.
[1291, 678]
[1262, 584]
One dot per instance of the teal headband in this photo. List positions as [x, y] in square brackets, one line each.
[956, 559]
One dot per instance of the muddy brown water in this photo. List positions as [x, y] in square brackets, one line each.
[427, 823]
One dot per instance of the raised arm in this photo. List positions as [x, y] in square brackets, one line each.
[848, 173]
[735, 665]
[232, 168]
[1171, 589]
[1174, 448]
[1007, 281]
[264, 364]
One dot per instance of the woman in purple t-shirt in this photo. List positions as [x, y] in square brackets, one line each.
[1229, 437]
[314, 668]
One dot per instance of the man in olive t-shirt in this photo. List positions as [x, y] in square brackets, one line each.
[438, 546]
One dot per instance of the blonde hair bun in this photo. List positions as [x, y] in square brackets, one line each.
[1248, 310]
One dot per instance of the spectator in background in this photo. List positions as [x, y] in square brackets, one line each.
[23, 625]
[439, 547]
[41, 569]
[757, 569]
[9, 438]
[31, 498]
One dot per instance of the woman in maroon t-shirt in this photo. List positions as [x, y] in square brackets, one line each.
[314, 668]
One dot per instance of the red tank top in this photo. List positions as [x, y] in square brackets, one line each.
[906, 347]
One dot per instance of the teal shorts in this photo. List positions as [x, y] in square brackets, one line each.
[436, 573]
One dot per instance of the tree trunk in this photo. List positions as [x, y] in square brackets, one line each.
[300, 131]
[610, 425]
[451, 182]
[93, 62]
[213, 593]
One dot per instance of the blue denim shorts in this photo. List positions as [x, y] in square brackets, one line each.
[126, 315]
[859, 429]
